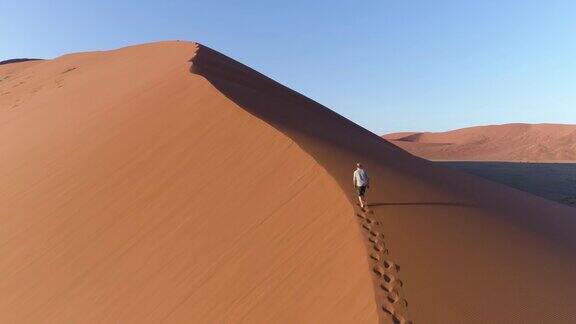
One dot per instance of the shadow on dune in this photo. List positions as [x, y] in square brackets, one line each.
[337, 144]
[424, 203]
[334, 141]
[18, 60]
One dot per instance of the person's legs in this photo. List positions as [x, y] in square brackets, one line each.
[361, 192]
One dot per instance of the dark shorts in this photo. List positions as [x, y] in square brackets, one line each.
[361, 191]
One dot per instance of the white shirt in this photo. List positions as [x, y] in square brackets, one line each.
[360, 177]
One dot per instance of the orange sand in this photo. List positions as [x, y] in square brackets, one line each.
[509, 142]
[167, 182]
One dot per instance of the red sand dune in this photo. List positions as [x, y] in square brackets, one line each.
[509, 142]
[167, 182]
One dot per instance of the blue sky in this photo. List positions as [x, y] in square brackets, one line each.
[386, 65]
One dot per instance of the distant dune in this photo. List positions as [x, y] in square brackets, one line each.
[509, 142]
[18, 60]
[166, 182]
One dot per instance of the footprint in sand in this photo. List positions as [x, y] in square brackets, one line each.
[379, 270]
[393, 296]
[397, 317]
[389, 286]
[388, 308]
[393, 304]
[391, 265]
[403, 302]
[400, 319]
[390, 278]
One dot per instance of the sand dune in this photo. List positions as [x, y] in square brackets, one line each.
[167, 182]
[18, 60]
[508, 142]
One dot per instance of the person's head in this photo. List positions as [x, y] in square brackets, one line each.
[358, 165]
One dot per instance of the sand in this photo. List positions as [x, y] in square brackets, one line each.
[508, 142]
[167, 182]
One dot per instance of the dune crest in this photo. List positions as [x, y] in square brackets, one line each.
[168, 182]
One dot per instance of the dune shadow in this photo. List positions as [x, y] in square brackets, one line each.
[337, 143]
[333, 141]
[423, 203]
[18, 60]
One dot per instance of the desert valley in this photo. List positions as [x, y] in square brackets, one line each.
[536, 158]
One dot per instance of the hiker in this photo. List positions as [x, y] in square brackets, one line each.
[361, 183]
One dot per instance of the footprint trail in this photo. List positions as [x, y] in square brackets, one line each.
[390, 297]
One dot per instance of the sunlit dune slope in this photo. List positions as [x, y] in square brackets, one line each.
[132, 191]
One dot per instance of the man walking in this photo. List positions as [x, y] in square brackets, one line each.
[361, 183]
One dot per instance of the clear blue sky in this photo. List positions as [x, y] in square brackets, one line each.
[387, 65]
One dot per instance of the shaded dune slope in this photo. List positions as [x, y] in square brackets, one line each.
[135, 191]
[508, 142]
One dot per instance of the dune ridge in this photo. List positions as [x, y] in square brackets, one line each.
[507, 142]
[18, 60]
[168, 182]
